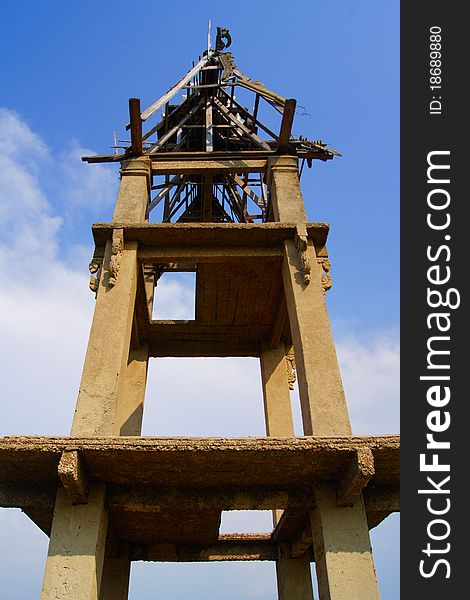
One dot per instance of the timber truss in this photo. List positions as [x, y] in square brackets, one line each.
[208, 118]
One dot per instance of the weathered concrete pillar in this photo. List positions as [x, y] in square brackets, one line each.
[76, 549]
[109, 401]
[322, 399]
[104, 372]
[294, 580]
[130, 408]
[323, 404]
[115, 582]
[276, 395]
[343, 555]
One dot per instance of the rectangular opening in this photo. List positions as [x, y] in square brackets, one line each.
[175, 295]
[246, 521]
[211, 397]
[211, 581]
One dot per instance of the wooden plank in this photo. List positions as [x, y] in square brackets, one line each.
[136, 127]
[254, 116]
[207, 199]
[209, 127]
[230, 116]
[148, 112]
[174, 129]
[247, 190]
[159, 197]
[286, 125]
[258, 87]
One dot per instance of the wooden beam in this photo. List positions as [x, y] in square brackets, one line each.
[209, 127]
[258, 87]
[231, 117]
[161, 194]
[247, 190]
[207, 199]
[148, 112]
[356, 476]
[254, 116]
[136, 127]
[286, 125]
[174, 129]
[71, 471]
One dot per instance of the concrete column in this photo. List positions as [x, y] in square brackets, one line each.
[276, 395]
[322, 399]
[134, 191]
[109, 402]
[76, 549]
[294, 580]
[323, 404]
[104, 372]
[342, 548]
[284, 189]
[343, 554]
[131, 407]
[116, 574]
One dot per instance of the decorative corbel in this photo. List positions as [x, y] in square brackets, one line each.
[301, 242]
[116, 256]
[291, 368]
[325, 273]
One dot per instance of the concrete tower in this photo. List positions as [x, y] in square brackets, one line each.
[227, 191]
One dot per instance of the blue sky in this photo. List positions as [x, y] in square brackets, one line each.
[67, 71]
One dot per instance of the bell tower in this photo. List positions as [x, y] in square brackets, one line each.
[226, 191]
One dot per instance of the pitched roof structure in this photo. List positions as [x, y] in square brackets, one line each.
[201, 114]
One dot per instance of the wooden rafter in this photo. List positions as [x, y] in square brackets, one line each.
[148, 112]
[249, 192]
[286, 125]
[253, 117]
[231, 117]
[175, 128]
[167, 187]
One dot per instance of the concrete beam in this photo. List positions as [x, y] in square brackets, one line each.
[227, 548]
[155, 499]
[72, 474]
[356, 477]
[169, 167]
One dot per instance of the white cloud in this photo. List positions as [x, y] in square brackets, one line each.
[371, 377]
